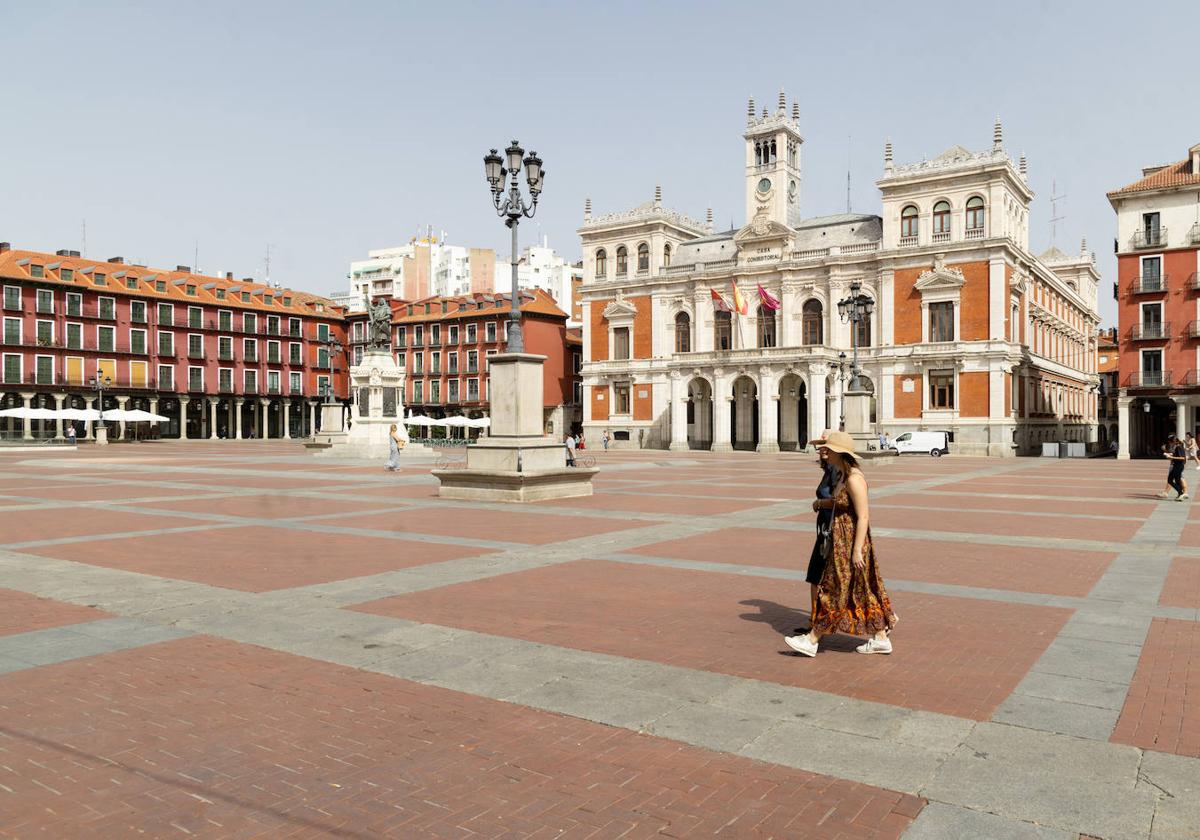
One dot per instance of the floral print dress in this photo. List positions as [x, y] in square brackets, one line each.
[849, 600]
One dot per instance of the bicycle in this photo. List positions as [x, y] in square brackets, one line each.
[585, 460]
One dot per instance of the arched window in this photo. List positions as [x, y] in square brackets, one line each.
[908, 221]
[863, 332]
[722, 331]
[643, 257]
[683, 333]
[666, 255]
[601, 264]
[766, 327]
[941, 217]
[811, 326]
[622, 260]
[975, 213]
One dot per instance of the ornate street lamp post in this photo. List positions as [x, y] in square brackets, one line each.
[334, 349]
[511, 208]
[98, 384]
[854, 310]
[841, 368]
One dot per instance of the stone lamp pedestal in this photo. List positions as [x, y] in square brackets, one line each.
[857, 408]
[516, 462]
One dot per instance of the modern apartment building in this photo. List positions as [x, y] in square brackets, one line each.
[1158, 304]
[220, 357]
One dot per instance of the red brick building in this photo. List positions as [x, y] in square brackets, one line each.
[443, 344]
[1158, 304]
[220, 357]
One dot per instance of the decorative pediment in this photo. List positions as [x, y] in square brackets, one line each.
[940, 278]
[762, 231]
[619, 309]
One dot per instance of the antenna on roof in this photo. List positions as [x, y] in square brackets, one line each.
[1055, 217]
[196, 257]
[83, 238]
[847, 173]
[267, 279]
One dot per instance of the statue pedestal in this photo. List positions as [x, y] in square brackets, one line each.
[857, 408]
[516, 462]
[377, 393]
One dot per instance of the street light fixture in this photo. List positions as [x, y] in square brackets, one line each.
[512, 208]
[98, 384]
[854, 310]
[841, 368]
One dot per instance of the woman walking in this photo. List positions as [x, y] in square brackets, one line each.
[850, 597]
[395, 444]
[823, 545]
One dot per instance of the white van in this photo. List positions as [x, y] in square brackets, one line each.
[936, 444]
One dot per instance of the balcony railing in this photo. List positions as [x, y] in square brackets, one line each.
[1149, 379]
[973, 233]
[1191, 379]
[1194, 234]
[226, 356]
[908, 241]
[1150, 332]
[941, 237]
[1149, 238]
[274, 359]
[296, 361]
[1148, 284]
[195, 354]
[1193, 329]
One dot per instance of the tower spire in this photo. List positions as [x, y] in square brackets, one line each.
[1023, 167]
[708, 221]
[998, 136]
[657, 195]
[782, 104]
[795, 112]
[888, 166]
[750, 112]
[587, 209]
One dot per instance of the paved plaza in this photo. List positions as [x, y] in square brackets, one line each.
[236, 640]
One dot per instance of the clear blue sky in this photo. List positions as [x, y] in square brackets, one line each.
[329, 129]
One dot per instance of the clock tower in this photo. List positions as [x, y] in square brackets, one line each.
[773, 164]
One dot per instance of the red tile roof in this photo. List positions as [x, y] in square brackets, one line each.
[535, 302]
[18, 265]
[1178, 174]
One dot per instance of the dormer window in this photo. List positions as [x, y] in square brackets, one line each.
[37, 271]
[66, 274]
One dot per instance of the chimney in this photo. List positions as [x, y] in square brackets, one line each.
[187, 269]
[117, 260]
[66, 252]
[228, 275]
[5, 247]
[1196, 159]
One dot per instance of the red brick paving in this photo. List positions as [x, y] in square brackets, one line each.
[960, 501]
[953, 655]
[1044, 570]
[256, 559]
[1082, 489]
[220, 740]
[1162, 709]
[57, 523]
[1182, 587]
[667, 505]
[21, 612]
[107, 492]
[1191, 535]
[1006, 524]
[500, 525]
[269, 506]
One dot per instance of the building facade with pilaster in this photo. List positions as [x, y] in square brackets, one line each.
[1158, 305]
[221, 358]
[971, 333]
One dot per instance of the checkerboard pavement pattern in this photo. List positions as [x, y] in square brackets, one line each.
[236, 640]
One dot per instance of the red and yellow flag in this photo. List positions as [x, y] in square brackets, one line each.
[739, 302]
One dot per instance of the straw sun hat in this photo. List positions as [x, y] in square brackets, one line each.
[836, 442]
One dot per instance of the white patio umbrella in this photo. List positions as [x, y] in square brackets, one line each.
[79, 414]
[420, 420]
[24, 413]
[480, 423]
[136, 415]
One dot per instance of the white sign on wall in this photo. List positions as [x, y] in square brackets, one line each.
[908, 386]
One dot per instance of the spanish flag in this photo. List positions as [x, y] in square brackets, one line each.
[739, 302]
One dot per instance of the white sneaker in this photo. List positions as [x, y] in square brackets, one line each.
[801, 644]
[1181, 497]
[1164, 495]
[875, 646]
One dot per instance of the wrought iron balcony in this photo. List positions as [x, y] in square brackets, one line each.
[1191, 379]
[1193, 329]
[1149, 284]
[1150, 332]
[1149, 238]
[1194, 234]
[1149, 379]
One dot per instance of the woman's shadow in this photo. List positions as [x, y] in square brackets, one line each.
[786, 621]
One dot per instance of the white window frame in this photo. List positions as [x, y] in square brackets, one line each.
[100, 327]
[199, 321]
[249, 318]
[942, 412]
[295, 351]
[273, 376]
[158, 310]
[20, 327]
[158, 345]
[189, 345]
[53, 376]
[20, 367]
[472, 333]
[940, 297]
[247, 375]
[225, 313]
[78, 299]
[145, 340]
[37, 308]
[67, 334]
[100, 300]
[160, 377]
[221, 375]
[489, 332]
[295, 328]
[278, 352]
[189, 376]
[37, 323]
[295, 382]
[323, 382]
[20, 299]
[253, 344]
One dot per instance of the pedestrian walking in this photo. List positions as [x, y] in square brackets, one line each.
[579, 444]
[1193, 451]
[850, 597]
[570, 444]
[395, 444]
[1176, 452]
[604, 439]
[823, 545]
[71, 434]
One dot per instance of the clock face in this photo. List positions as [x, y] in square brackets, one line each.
[764, 185]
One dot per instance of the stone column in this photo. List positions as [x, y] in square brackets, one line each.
[678, 412]
[212, 418]
[237, 417]
[722, 404]
[87, 425]
[183, 413]
[312, 419]
[1182, 420]
[1124, 427]
[286, 408]
[261, 426]
[27, 425]
[768, 417]
[816, 400]
[154, 410]
[123, 402]
[60, 403]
